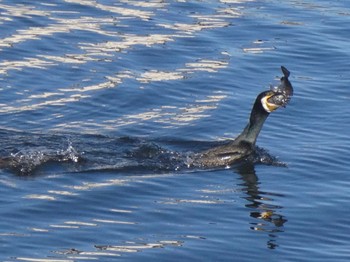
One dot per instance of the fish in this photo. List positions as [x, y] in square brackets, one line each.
[284, 91]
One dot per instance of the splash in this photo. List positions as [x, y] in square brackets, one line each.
[69, 154]
[26, 160]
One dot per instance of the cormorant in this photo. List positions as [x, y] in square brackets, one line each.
[244, 144]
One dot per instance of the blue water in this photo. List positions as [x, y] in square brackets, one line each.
[101, 103]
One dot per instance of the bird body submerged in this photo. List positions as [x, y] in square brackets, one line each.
[244, 144]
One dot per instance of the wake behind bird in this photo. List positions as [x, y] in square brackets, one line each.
[40, 154]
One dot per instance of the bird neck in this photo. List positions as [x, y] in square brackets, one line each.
[255, 124]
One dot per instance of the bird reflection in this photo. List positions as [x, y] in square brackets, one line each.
[268, 217]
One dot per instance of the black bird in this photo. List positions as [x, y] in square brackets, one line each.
[244, 144]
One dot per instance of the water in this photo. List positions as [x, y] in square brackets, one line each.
[103, 101]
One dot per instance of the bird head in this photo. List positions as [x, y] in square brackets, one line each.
[271, 100]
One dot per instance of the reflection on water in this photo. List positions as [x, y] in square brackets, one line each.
[109, 164]
[268, 216]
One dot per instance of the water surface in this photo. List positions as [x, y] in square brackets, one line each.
[102, 101]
